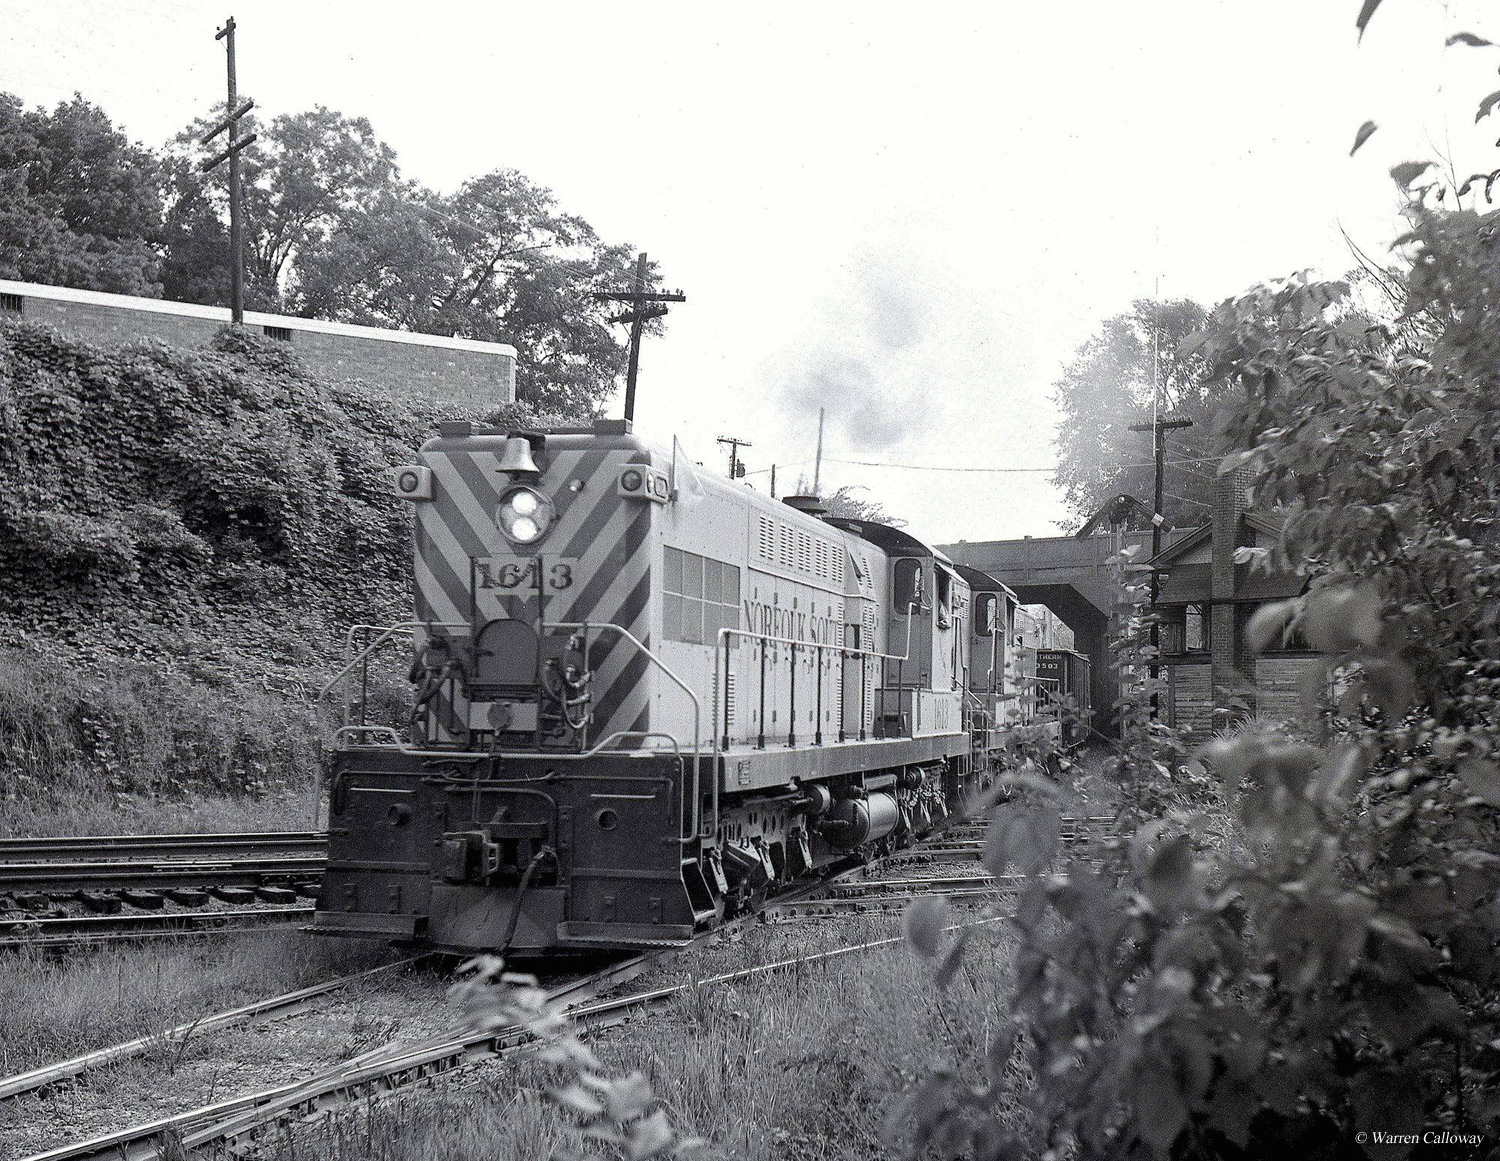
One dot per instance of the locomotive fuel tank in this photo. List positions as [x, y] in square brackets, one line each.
[852, 822]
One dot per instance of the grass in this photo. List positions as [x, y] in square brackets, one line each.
[109, 745]
[800, 1063]
[53, 1008]
[287, 808]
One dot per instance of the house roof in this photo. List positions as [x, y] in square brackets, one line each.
[1115, 510]
[1187, 584]
[1269, 586]
[1163, 559]
[1270, 525]
[1192, 584]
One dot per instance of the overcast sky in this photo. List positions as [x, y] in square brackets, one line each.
[911, 214]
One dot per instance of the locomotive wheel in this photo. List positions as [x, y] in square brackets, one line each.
[744, 900]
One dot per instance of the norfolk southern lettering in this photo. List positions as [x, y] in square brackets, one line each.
[793, 624]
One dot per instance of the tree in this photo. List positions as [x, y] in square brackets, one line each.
[496, 261]
[79, 204]
[847, 503]
[335, 232]
[1108, 386]
[1328, 968]
[305, 174]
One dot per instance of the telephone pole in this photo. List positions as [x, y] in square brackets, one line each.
[645, 305]
[818, 463]
[233, 112]
[736, 469]
[1158, 427]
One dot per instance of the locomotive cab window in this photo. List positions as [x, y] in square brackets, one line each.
[944, 586]
[984, 614]
[906, 590]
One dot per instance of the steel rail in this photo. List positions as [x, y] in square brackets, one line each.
[184, 846]
[58, 878]
[389, 1067]
[286, 1004]
[478, 1046]
[789, 913]
[77, 929]
[140, 1142]
[942, 882]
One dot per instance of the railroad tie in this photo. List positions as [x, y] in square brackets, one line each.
[186, 896]
[233, 894]
[145, 900]
[100, 903]
[276, 894]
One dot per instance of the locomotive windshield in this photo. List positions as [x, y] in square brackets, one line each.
[984, 614]
[907, 589]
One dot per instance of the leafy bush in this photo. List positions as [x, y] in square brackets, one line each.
[1325, 982]
[185, 536]
[72, 728]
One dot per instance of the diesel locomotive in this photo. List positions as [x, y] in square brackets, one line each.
[646, 697]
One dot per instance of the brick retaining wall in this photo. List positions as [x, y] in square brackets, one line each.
[409, 366]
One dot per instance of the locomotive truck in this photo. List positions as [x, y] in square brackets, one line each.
[646, 697]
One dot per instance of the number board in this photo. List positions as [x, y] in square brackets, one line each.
[1049, 665]
[524, 574]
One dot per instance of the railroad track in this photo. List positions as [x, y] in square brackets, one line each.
[238, 1123]
[287, 1004]
[875, 890]
[161, 846]
[72, 930]
[57, 892]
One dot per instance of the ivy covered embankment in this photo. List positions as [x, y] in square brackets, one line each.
[185, 536]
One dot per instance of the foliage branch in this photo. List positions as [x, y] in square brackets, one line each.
[1319, 969]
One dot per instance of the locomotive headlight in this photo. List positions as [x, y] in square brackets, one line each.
[524, 515]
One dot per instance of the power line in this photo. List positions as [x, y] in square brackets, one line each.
[948, 468]
[935, 467]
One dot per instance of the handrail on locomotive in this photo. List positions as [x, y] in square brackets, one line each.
[386, 634]
[764, 639]
[676, 746]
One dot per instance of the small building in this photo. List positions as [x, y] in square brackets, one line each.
[1206, 600]
[1038, 627]
[404, 364]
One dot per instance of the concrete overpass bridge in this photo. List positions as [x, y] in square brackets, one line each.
[1070, 576]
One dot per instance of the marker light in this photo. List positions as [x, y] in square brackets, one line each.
[524, 515]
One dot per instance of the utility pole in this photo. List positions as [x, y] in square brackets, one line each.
[737, 469]
[773, 481]
[1158, 427]
[818, 463]
[233, 112]
[644, 306]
